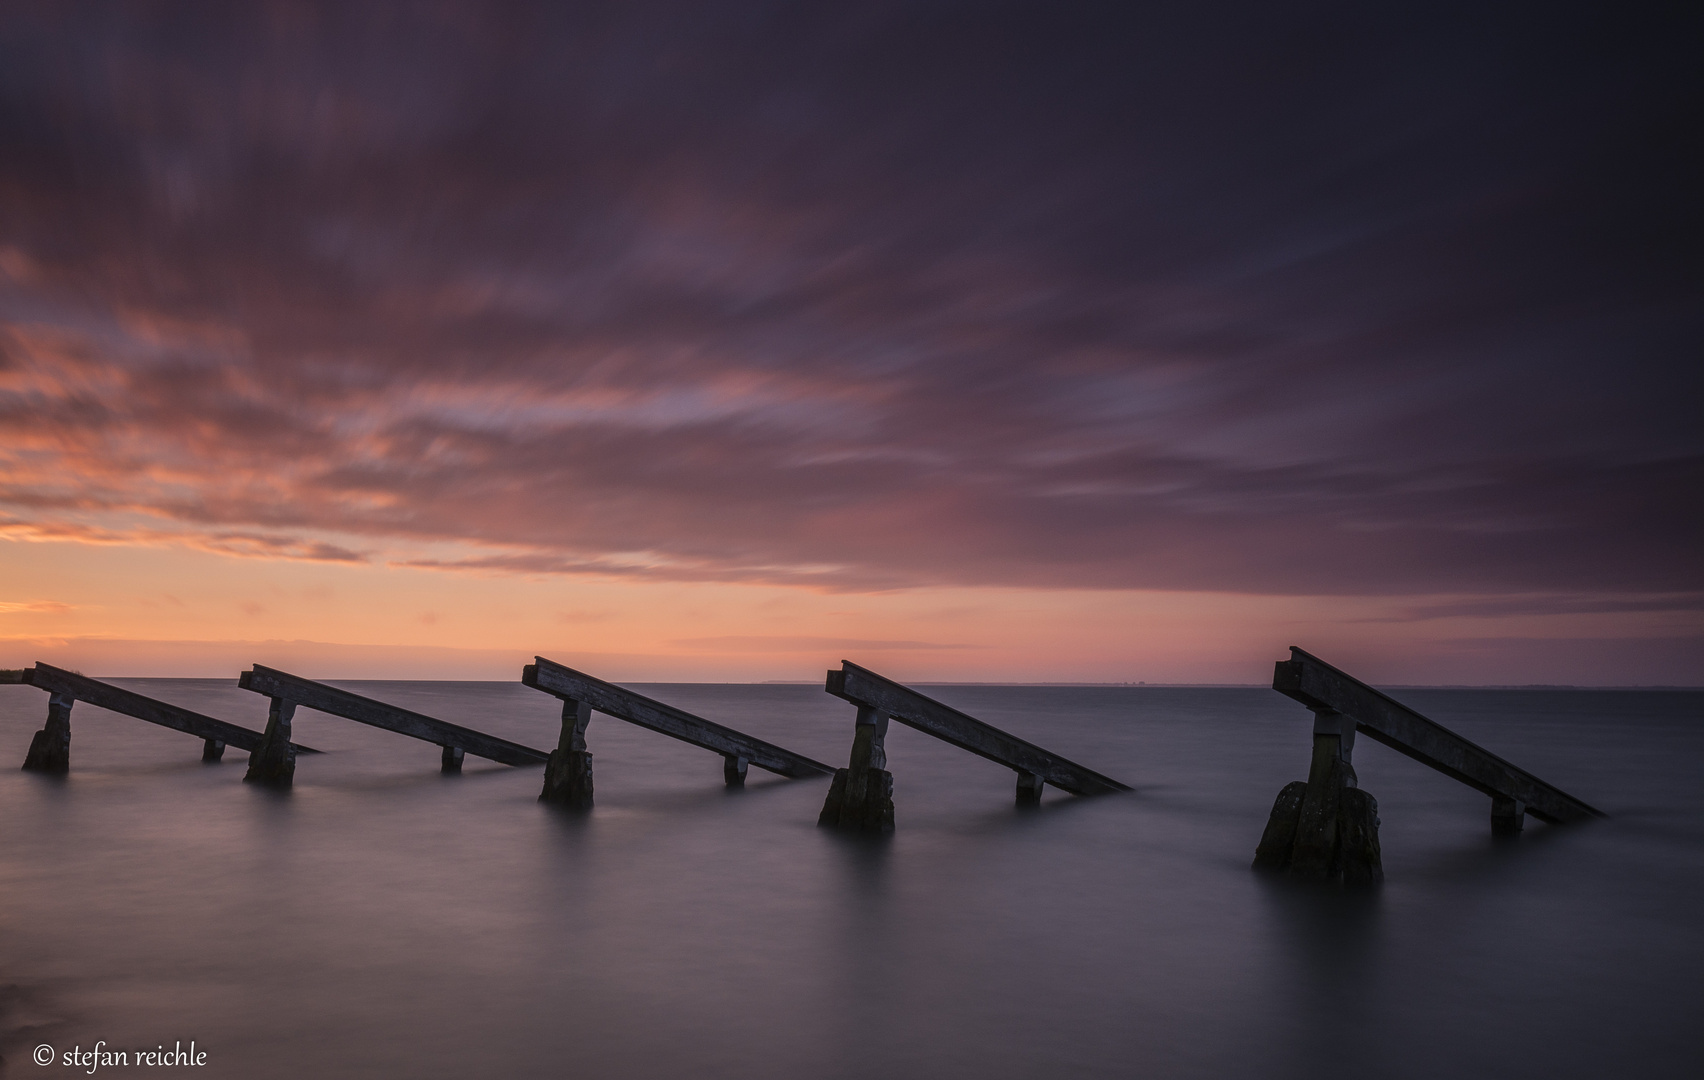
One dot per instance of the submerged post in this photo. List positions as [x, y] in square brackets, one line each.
[861, 796]
[1325, 828]
[273, 762]
[212, 750]
[50, 750]
[451, 759]
[734, 769]
[1508, 816]
[568, 774]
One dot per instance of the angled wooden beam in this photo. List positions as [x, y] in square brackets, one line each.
[880, 699]
[282, 686]
[72, 687]
[1326, 690]
[737, 748]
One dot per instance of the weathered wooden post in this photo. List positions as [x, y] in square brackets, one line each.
[568, 773]
[734, 769]
[1325, 828]
[50, 750]
[1508, 816]
[1029, 788]
[861, 796]
[212, 750]
[273, 762]
[451, 759]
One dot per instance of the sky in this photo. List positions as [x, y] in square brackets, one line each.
[971, 341]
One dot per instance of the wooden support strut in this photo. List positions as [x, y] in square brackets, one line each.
[879, 699]
[568, 775]
[273, 762]
[860, 798]
[577, 689]
[50, 749]
[72, 687]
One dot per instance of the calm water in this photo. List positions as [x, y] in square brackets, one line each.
[383, 920]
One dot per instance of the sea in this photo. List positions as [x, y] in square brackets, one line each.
[382, 919]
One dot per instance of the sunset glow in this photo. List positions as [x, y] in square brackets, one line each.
[713, 356]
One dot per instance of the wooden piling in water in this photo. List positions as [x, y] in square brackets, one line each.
[861, 797]
[65, 688]
[50, 749]
[1326, 828]
[568, 776]
[568, 779]
[273, 762]
[270, 765]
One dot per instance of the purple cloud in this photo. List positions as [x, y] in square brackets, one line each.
[1306, 301]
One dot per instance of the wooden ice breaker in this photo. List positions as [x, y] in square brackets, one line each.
[1311, 822]
[50, 752]
[568, 778]
[270, 764]
[862, 795]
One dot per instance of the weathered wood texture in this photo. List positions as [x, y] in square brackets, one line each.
[50, 749]
[860, 799]
[106, 696]
[1319, 686]
[273, 762]
[364, 710]
[570, 685]
[568, 780]
[866, 689]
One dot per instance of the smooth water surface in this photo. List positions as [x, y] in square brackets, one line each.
[384, 920]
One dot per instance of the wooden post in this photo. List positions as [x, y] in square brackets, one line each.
[861, 796]
[50, 750]
[273, 762]
[1029, 788]
[1507, 816]
[734, 770]
[568, 774]
[452, 759]
[1325, 829]
[212, 750]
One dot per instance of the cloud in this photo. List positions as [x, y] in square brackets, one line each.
[782, 644]
[905, 296]
[1565, 604]
[51, 607]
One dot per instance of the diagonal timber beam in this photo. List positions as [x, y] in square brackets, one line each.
[69, 684]
[1325, 689]
[576, 686]
[282, 686]
[869, 691]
